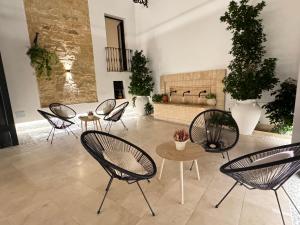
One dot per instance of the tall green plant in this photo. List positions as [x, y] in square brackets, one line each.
[250, 74]
[281, 111]
[141, 83]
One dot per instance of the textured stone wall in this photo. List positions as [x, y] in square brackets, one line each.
[210, 80]
[64, 27]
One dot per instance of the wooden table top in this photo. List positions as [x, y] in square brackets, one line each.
[168, 151]
[87, 119]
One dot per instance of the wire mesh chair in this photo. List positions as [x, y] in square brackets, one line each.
[100, 110]
[266, 176]
[116, 115]
[62, 111]
[57, 123]
[100, 144]
[215, 130]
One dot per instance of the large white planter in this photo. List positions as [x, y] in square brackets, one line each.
[140, 103]
[246, 114]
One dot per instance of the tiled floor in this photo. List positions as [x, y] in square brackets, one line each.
[43, 184]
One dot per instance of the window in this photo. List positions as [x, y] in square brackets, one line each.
[117, 56]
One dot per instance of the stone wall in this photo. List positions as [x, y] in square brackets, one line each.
[64, 27]
[210, 80]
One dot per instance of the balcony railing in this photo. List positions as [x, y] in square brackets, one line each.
[118, 59]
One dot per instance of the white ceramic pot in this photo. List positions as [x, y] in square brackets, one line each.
[246, 114]
[140, 103]
[211, 101]
[180, 145]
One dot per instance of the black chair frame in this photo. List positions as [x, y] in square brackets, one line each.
[64, 124]
[100, 139]
[215, 139]
[116, 117]
[55, 105]
[112, 101]
[285, 169]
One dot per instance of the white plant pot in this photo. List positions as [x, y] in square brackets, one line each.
[180, 145]
[140, 103]
[211, 102]
[246, 114]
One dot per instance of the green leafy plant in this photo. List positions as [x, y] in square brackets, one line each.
[280, 112]
[141, 83]
[211, 96]
[149, 109]
[41, 59]
[250, 74]
[157, 98]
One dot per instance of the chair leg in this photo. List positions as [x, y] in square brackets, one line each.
[49, 133]
[52, 136]
[223, 155]
[291, 200]
[110, 125]
[153, 214]
[279, 206]
[106, 191]
[228, 156]
[123, 124]
[192, 166]
[226, 194]
[72, 132]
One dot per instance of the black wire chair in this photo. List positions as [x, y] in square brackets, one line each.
[62, 111]
[116, 115]
[100, 145]
[215, 130]
[57, 122]
[100, 110]
[267, 176]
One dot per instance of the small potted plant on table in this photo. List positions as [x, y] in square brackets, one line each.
[211, 99]
[181, 137]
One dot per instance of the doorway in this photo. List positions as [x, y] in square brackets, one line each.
[8, 134]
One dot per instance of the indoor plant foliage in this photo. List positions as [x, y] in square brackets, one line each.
[181, 137]
[280, 112]
[211, 99]
[141, 84]
[41, 59]
[149, 108]
[157, 98]
[250, 73]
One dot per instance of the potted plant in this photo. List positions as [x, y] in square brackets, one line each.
[165, 98]
[41, 59]
[149, 108]
[90, 115]
[141, 84]
[280, 112]
[181, 137]
[250, 73]
[157, 98]
[211, 99]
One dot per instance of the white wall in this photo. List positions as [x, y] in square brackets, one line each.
[14, 41]
[188, 36]
[296, 125]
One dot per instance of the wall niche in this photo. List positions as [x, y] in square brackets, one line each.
[64, 27]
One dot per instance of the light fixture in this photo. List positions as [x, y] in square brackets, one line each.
[144, 2]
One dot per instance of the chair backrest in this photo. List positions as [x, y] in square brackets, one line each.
[215, 130]
[264, 176]
[98, 143]
[62, 110]
[117, 113]
[55, 121]
[108, 105]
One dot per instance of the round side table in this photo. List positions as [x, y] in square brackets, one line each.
[191, 153]
[86, 119]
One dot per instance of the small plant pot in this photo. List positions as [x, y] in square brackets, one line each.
[91, 117]
[211, 102]
[180, 146]
[165, 99]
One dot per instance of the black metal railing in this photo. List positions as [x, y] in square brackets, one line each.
[118, 59]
